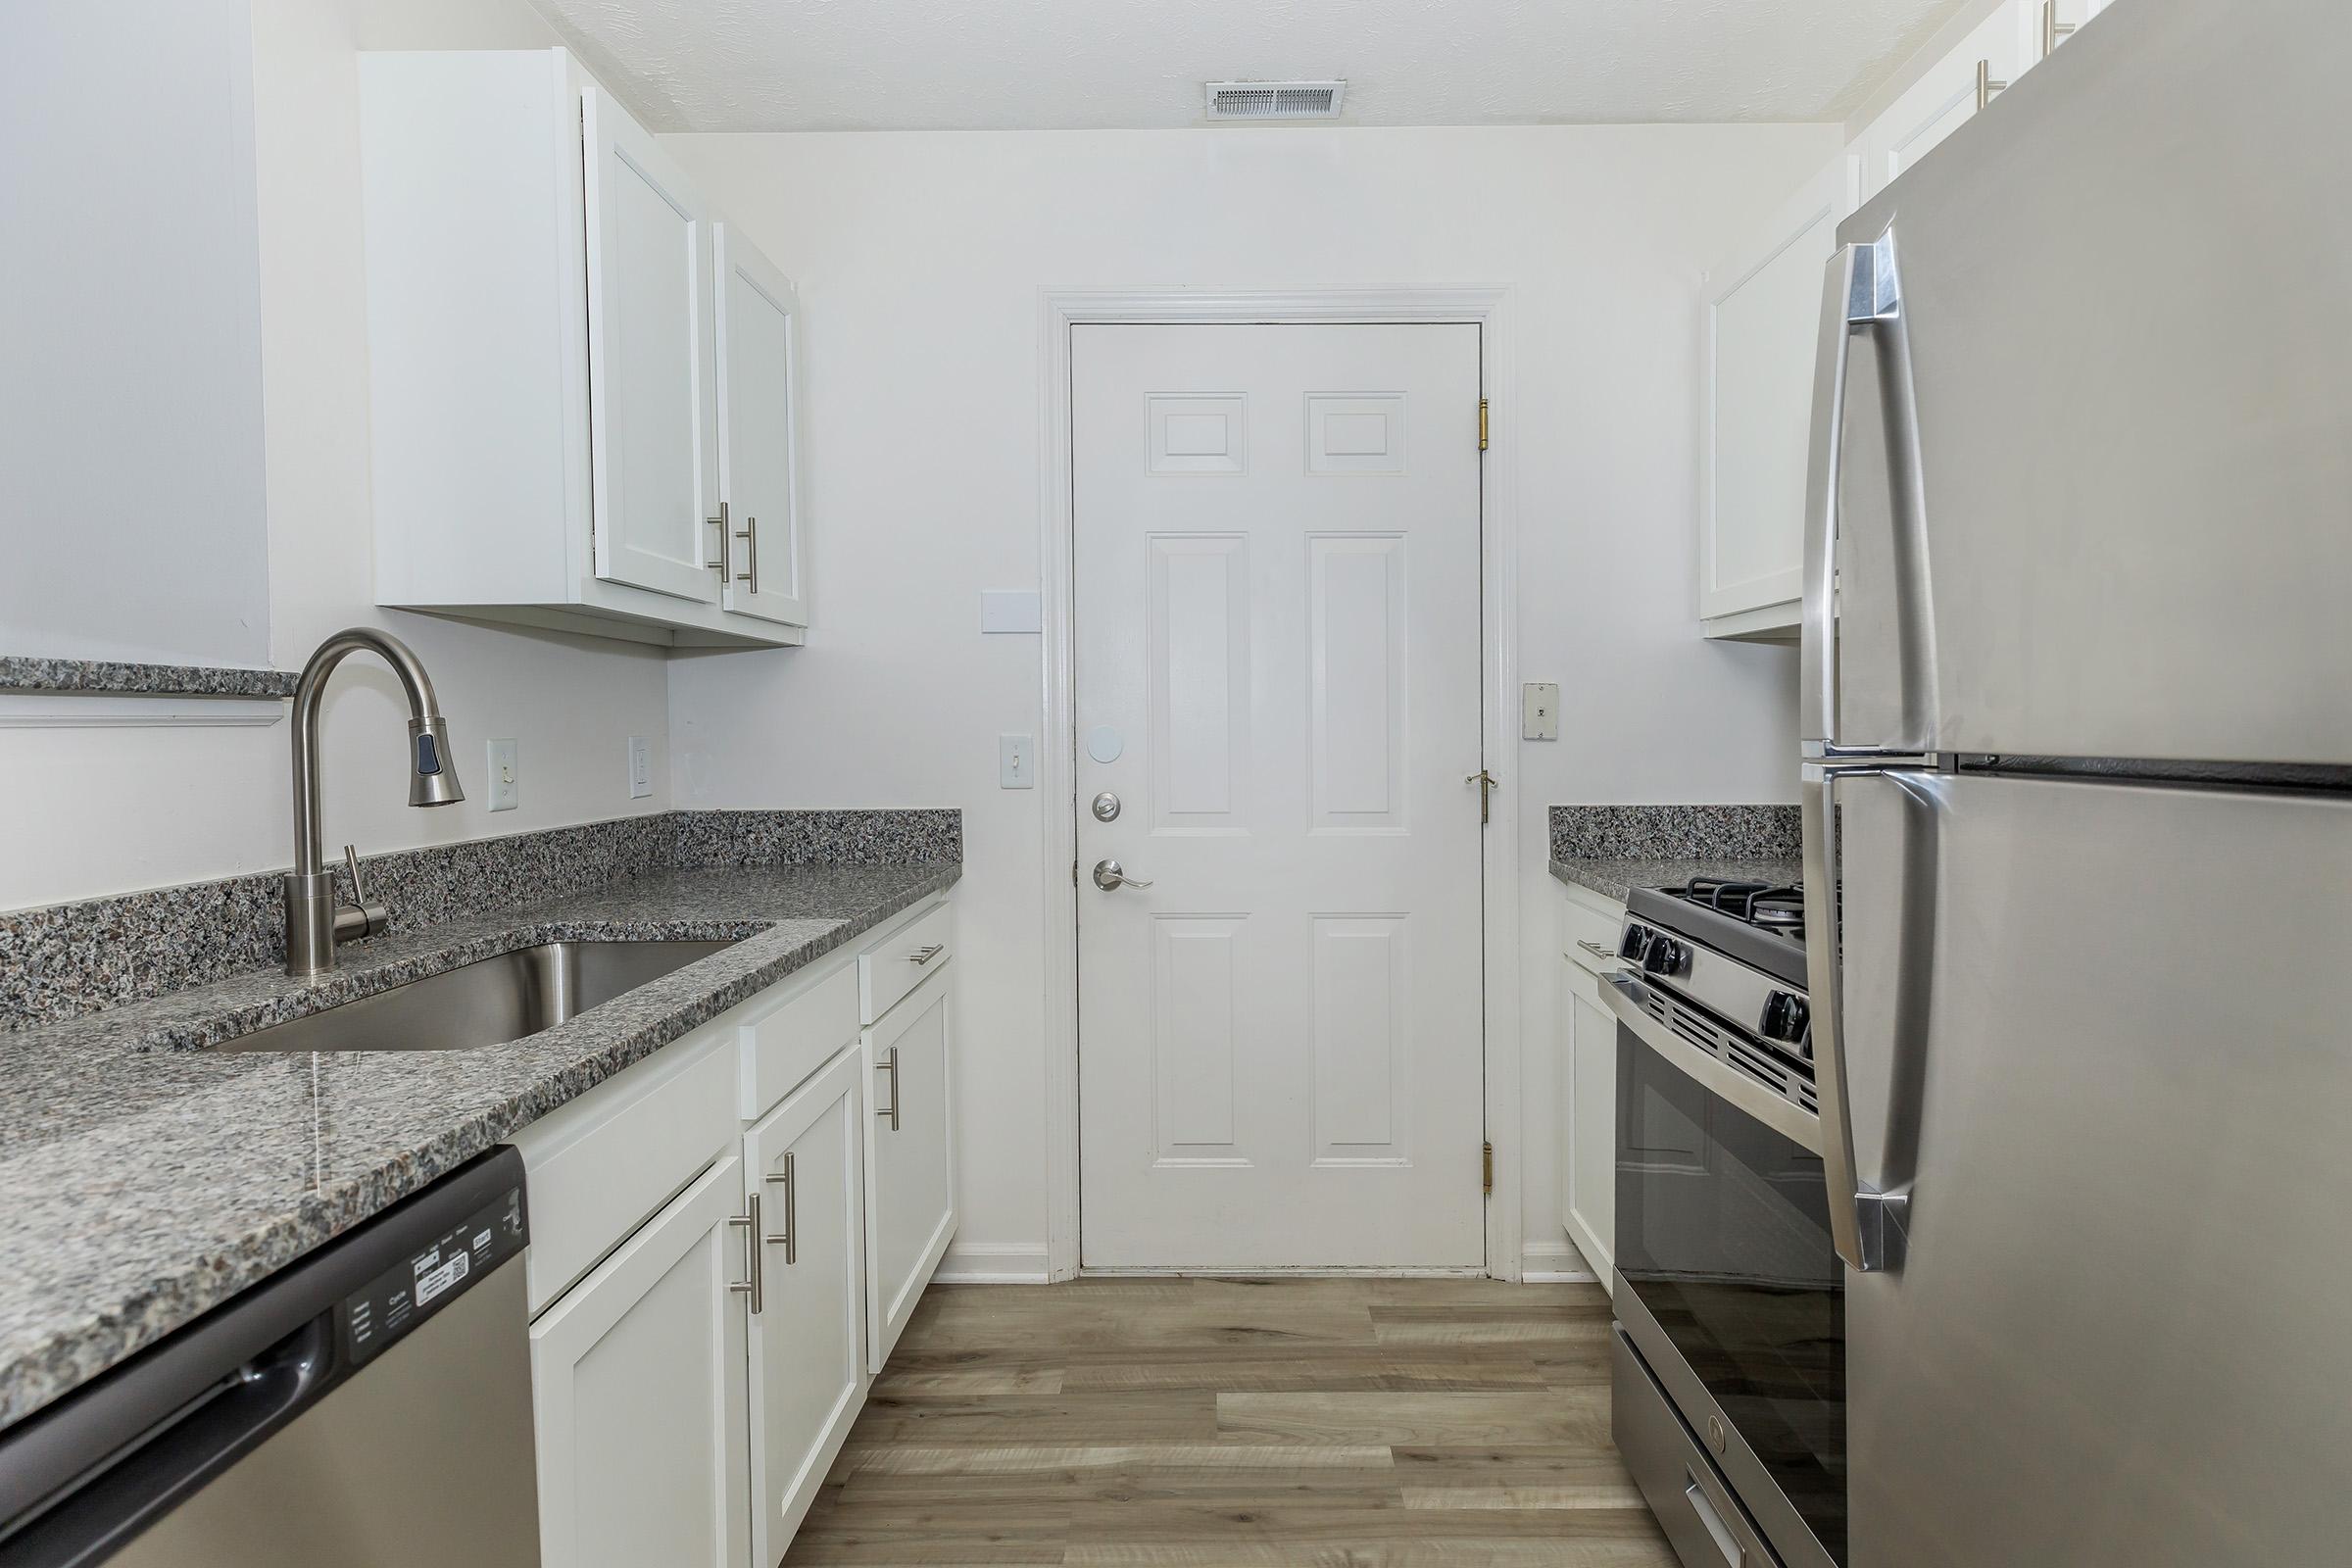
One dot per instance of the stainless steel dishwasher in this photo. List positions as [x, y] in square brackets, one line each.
[369, 1404]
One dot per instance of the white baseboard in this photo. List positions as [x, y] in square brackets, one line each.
[993, 1264]
[1554, 1264]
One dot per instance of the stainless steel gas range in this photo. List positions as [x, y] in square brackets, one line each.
[1731, 1325]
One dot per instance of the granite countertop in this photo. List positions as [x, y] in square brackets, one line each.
[147, 1180]
[1615, 878]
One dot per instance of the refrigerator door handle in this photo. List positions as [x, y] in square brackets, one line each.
[1862, 294]
[1858, 1211]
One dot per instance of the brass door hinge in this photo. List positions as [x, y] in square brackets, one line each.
[1482, 425]
[1486, 1169]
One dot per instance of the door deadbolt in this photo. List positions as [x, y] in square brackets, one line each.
[1106, 807]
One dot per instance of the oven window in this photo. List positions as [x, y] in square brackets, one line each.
[1722, 1231]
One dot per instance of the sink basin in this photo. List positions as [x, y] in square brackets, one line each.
[483, 1003]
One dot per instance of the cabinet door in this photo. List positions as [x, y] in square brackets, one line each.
[653, 443]
[637, 1377]
[1762, 327]
[1945, 98]
[758, 434]
[910, 1160]
[1592, 1199]
[805, 1161]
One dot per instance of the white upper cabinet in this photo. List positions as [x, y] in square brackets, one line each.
[758, 434]
[546, 310]
[1763, 306]
[651, 345]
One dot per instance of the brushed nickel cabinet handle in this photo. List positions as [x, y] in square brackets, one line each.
[1597, 951]
[749, 534]
[720, 523]
[788, 1238]
[925, 954]
[2052, 29]
[1986, 85]
[749, 1224]
[890, 1065]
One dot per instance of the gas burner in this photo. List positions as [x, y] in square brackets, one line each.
[1777, 908]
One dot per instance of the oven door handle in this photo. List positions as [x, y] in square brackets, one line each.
[1628, 999]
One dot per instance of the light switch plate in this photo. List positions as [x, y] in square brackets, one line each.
[504, 774]
[641, 767]
[1011, 609]
[1017, 762]
[1540, 710]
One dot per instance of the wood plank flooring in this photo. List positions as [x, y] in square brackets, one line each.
[1208, 1423]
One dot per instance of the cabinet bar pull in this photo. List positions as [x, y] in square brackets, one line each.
[720, 523]
[890, 1065]
[749, 1224]
[749, 534]
[792, 1213]
[1597, 951]
[1986, 85]
[2052, 29]
[925, 954]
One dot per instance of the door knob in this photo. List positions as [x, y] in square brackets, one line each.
[1109, 876]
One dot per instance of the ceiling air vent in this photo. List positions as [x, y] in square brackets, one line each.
[1275, 100]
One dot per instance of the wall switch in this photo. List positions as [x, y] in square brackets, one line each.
[1540, 710]
[641, 767]
[1016, 761]
[503, 774]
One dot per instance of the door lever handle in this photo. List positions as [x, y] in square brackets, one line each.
[1110, 876]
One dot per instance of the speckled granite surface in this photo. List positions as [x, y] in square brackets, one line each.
[74, 959]
[148, 681]
[1615, 878]
[1673, 832]
[145, 1182]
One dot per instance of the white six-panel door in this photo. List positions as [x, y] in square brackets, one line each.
[1277, 575]
[653, 442]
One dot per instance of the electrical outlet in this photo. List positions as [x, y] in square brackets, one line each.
[504, 774]
[1540, 710]
[641, 767]
[1017, 762]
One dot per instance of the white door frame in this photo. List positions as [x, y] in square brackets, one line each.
[1490, 309]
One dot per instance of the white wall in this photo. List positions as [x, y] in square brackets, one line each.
[87, 812]
[921, 257]
[131, 519]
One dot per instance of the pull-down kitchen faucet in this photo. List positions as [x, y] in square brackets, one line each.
[314, 924]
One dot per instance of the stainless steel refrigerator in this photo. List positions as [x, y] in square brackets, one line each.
[2077, 790]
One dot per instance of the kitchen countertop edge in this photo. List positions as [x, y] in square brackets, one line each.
[1616, 878]
[59, 1351]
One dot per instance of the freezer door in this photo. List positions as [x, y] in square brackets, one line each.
[2125, 306]
[2101, 1034]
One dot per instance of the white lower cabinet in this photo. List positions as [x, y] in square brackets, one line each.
[804, 1161]
[727, 1239]
[1587, 1078]
[910, 1158]
[637, 1379]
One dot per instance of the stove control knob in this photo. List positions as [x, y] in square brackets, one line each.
[1785, 1018]
[1664, 956]
[1634, 944]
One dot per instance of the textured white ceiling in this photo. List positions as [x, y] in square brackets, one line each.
[893, 65]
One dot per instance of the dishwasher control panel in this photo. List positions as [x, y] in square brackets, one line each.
[371, 1318]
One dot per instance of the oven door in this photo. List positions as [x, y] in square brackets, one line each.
[1728, 1283]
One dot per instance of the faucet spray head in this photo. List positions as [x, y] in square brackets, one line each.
[432, 772]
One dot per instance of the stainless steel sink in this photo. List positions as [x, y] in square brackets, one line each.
[483, 1003]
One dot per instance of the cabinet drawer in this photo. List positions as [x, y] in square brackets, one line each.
[782, 1048]
[601, 1164]
[1580, 922]
[899, 962]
